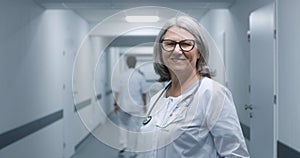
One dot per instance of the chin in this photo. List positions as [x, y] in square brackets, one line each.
[178, 69]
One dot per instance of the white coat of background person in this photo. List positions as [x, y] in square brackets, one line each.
[194, 116]
[130, 102]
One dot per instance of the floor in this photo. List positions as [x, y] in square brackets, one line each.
[91, 147]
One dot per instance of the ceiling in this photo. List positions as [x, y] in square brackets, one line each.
[107, 17]
[94, 11]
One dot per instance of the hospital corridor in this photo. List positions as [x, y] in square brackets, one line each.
[64, 65]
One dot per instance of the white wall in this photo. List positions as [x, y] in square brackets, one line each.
[289, 72]
[222, 21]
[37, 49]
[101, 81]
[229, 29]
[234, 24]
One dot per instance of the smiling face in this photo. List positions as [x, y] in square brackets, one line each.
[180, 61]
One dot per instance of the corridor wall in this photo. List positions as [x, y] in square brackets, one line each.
[288, 78]
[37, 50]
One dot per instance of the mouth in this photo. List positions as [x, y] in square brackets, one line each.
[177, 60]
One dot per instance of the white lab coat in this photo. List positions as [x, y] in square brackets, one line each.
[130, 86]
[206, 128]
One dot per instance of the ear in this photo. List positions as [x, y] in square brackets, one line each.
[198, 55]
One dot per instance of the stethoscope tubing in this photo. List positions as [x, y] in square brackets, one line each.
[149, 117]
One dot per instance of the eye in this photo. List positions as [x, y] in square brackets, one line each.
[169, 43]
[187, 43]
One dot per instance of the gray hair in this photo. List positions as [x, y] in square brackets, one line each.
[193, 26]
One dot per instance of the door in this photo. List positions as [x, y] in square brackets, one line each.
[262, 79]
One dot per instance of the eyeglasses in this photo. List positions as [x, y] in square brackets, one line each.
[184, 45]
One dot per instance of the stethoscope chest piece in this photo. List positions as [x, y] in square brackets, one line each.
[147, 120]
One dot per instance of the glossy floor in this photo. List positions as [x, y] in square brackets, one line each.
[91, 147]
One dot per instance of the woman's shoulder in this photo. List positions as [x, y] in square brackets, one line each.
[158, 93]
[213, 87]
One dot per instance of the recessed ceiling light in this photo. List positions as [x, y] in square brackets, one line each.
[142, 18]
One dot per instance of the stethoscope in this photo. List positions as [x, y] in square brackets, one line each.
[149, 117]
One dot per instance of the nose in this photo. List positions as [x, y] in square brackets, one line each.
[177, 48]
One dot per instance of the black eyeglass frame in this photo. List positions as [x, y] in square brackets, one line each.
[179, 43]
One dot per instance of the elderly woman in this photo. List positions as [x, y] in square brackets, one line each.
[193, 116]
